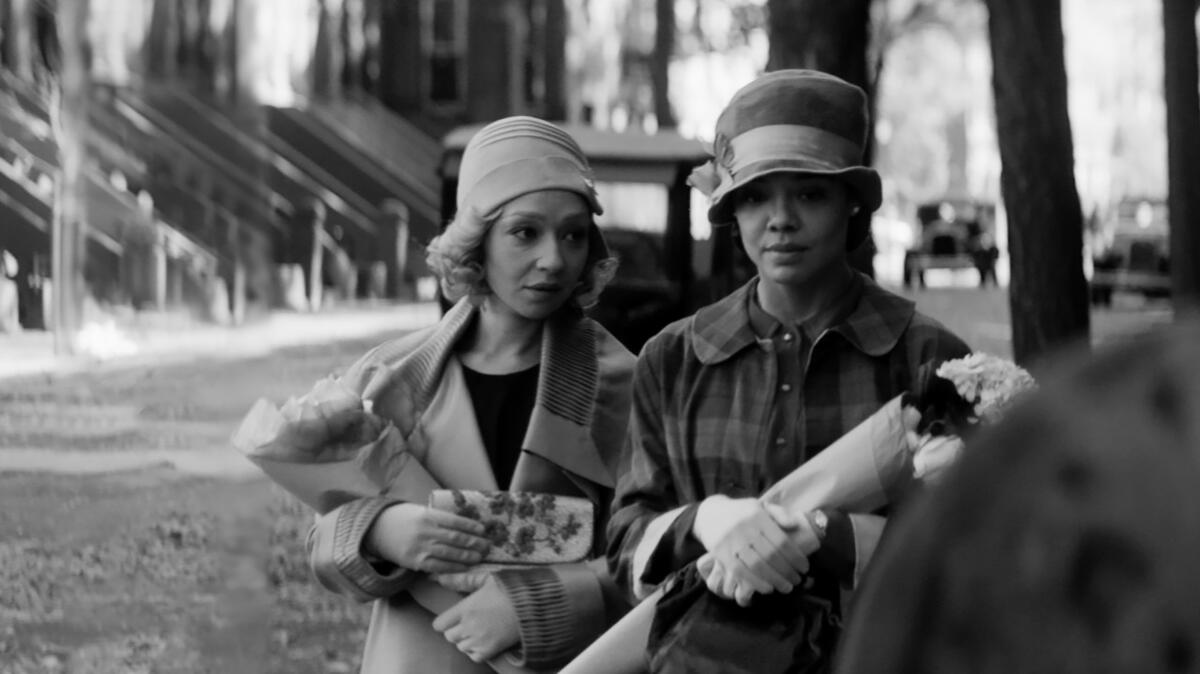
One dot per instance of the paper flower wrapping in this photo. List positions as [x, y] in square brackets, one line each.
[326, 448]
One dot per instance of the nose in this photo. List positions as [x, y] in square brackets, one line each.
[550, 256]
[781, 217]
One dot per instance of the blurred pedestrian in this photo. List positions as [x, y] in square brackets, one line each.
[513, 389]
[730, 400]
[1066, 540]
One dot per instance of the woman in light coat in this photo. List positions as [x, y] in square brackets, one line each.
[513, 389]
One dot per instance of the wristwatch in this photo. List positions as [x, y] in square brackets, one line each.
[820, 523]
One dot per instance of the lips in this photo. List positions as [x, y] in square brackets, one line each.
[785, 247]
[545, 287]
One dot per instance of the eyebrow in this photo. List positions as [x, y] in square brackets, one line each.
[538, 215]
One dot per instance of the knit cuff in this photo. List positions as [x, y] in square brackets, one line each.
[559, 612]
[338, 557]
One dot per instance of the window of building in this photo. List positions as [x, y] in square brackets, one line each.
[444, 41]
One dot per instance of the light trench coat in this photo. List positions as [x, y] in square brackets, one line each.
[571, 448]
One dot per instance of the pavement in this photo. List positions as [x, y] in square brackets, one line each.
[31, 353]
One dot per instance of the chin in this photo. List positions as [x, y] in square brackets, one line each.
[787, 275]
[537, 311]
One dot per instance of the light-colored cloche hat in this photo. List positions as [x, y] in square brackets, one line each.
[518, 155]
[506, 159]
[801, 121]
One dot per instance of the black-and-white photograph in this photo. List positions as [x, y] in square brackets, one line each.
[599, 336]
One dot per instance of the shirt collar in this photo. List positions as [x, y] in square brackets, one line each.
[873, 324]
[765, 325]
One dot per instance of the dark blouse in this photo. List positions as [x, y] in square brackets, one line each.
[503, 404]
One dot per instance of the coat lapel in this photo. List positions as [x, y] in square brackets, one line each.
[458, 459]
[427, 386]
[560, 426]
[425, 393]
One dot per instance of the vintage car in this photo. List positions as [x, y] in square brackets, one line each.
[954, 234]
[642, 182]
[1131, 252]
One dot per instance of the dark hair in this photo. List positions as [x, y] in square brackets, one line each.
[1066, 540]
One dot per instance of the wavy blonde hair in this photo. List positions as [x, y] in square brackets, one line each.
[456, 257]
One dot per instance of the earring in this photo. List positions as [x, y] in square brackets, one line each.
[854, 209]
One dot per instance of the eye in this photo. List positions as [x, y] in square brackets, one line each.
[750, 195]
[523, 232]
[812, 193]
[575, 235]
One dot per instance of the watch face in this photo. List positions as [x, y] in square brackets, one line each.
[822, 522]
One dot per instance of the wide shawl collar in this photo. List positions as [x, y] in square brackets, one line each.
[561, 427]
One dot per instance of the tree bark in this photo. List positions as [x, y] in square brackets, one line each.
[1183, 152]
[69, 119]
[660, 62]
[832, 37]
[555, 106]
[1048, 295]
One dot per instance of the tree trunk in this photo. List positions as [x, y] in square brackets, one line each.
[660, 62]
[556, 60]
[1183, 152]
[1048, 295]
[69, 119]
[833, 37]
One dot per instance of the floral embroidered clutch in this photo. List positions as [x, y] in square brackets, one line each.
[525, 529]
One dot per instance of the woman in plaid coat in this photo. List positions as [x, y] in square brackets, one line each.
[734, 398]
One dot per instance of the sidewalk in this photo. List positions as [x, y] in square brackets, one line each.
[31, 353]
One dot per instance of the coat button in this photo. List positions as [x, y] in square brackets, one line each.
[785, 387]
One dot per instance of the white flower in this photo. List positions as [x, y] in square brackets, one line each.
[988, 382]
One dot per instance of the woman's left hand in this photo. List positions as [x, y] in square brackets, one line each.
[482, 625]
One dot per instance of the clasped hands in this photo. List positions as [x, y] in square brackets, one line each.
[483, 624]
[753, 547]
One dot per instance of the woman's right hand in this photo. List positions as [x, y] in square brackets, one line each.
[423, 539]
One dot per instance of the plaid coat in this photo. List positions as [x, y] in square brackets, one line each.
[720, 408]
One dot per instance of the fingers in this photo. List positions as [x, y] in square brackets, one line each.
[447, 619]
[782, 552]
[456, 522]
[742, 595]
[715, 579]
[455, 538]
[762, 575]
[435, 565]
[455, 634]
[781, 516]
[467, 548]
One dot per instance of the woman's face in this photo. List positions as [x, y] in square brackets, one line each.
[794, 226]
[535, 252]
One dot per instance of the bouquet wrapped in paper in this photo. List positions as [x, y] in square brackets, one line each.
[911, 439]
[327, 448]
